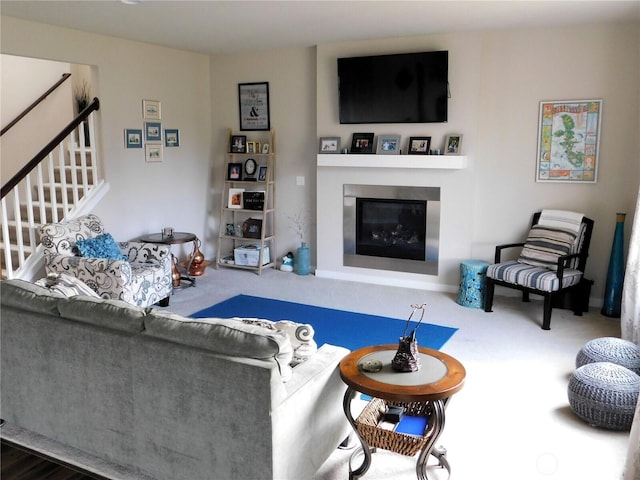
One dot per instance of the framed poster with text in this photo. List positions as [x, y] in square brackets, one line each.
[254, 106]
[568, 141]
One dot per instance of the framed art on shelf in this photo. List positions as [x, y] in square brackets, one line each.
[153, 152]
[235, 197]
[419, 145]
[362, 143]
[568, 141]
[453, 144]
[234, 171]
[388, 144]
[133, 138]
[151, 110]
[152, 131]
[252, 228]
[171, 138]
[253, 99]
[265, 148]
[262, 173]
[238, 143]
[329, 145]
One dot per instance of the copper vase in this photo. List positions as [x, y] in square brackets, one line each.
[196, 261]
[175, 274]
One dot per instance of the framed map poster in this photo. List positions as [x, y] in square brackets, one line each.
[568, 141]
[254, 106]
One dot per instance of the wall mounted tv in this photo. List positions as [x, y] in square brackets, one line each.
[398, 88]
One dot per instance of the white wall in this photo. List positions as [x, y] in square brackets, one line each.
[291, 77]
[23, 80]
[497, 80]
[144, 197]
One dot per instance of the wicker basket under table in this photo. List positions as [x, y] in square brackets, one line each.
[367, 424]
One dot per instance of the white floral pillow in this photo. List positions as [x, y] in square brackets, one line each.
[66, 285]
[300, 335]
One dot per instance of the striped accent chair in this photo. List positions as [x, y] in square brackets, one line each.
[551, 263]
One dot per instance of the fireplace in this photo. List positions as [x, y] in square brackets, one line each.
[391, 228]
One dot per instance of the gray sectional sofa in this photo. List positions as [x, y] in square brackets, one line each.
[163, 396]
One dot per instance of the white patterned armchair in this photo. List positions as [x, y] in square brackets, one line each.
[138, 273]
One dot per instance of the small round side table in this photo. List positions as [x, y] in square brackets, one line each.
[423, 393]
[175, 239]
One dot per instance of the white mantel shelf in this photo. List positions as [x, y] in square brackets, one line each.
[444, 162]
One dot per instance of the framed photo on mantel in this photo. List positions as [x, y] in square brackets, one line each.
[388, 144]
[329, 145]
[362, 143]
[453, 144]
[419, 145]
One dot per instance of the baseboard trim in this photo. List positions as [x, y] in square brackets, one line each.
[388, 281]
[66, 456]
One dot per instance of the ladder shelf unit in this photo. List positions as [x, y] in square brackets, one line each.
[247, 238]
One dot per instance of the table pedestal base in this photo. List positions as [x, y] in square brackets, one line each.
[436, 426]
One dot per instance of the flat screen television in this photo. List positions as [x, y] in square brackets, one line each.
[397, 88]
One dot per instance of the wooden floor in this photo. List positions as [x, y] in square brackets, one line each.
[18, 464]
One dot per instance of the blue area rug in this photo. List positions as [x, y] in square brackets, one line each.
[337, 327]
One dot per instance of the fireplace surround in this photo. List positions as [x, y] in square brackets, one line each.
[394, 228]
[442, 171]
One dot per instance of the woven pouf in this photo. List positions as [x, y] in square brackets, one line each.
[604, 394]
[610, 349]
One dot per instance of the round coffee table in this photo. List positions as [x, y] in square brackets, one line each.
[428, 390]
[175, 239]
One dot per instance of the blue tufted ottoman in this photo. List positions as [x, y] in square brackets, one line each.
[604, 394]
[610, 349]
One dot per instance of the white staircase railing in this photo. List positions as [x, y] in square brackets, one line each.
[64, 185]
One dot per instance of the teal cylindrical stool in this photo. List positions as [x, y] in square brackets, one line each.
[473, 280]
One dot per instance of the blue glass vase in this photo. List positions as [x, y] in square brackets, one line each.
[615, 274]
[303, 260]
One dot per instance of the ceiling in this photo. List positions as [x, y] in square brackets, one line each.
[227, 27]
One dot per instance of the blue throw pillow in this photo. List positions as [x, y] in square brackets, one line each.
[102, 246]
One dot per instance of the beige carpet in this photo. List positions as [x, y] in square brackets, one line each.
[511, 421]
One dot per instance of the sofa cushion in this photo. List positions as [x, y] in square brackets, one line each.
[66, 285]
[29, 296]
[533, 277]
[544, 245]
[113, 314]
[225, 336]
[102, 246]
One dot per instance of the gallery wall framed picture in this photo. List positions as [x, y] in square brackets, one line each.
[153, 152]
[254, 106]
[151, 110]
[171, 137]
[569, 141]
[152, 131]
[133, 138]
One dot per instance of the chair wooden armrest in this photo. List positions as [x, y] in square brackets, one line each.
[499, 249]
